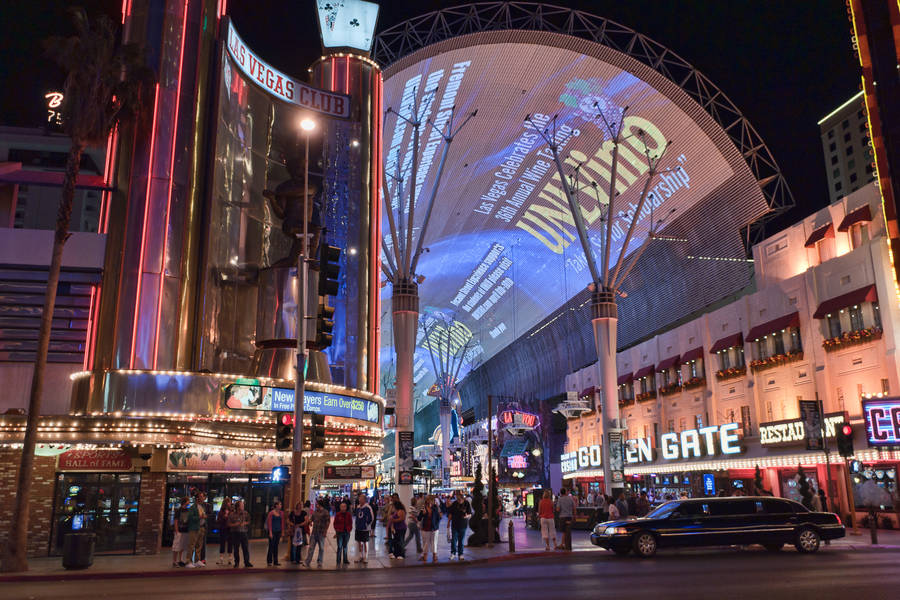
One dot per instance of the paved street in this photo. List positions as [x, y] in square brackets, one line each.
[719, 573]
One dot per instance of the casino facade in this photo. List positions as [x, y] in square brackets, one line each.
[172, 353]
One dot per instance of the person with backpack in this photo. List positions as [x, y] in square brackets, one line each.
[225, 550]
[364, 518]
[179, 544]
[343, 524]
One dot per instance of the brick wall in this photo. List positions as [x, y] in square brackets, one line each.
[150, 513]
[43, 486]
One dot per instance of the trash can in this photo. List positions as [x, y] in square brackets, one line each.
[78, 550]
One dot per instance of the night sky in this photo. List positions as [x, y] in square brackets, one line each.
[784, 64]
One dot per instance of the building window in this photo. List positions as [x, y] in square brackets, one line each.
[852, 177]
[876, 313]
[724, 360]
[834, 325]
[779, 343]
[831, 134]
[862, 128]
[825, 247]
[845, 124]
[832, 146]
[696, 368]
[796, 342]
[671, 425]
[833, 160]
[836, 173]
[859, 234]
[885, 386]
[849, 151]
[856, 319]
[698, 421]
[762, 348]
[838, 186]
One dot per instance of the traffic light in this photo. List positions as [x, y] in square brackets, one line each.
[284, 432]
[329, 270]
[845, 440]
[324, 325]
[317, 435]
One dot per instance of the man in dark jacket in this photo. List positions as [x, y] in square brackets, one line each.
[459, 513]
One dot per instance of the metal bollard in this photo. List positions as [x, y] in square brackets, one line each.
[512, 539]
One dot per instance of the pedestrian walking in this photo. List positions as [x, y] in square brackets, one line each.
[225, 549]
[298, 520]
[412, 524]
[274, 526]
[398, 531]
[642, 505]
[614, 513]
[343, 524]
[460, 512]
[321, 519]
[545, 514]
[565, 504]
[364, 518]
[430, 522]
[180, 543]
[238, 522]
[622, 506]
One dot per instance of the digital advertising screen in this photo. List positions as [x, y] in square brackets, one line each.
[239, 396]
[503, 250]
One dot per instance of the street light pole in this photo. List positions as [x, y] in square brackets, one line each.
[297, 479]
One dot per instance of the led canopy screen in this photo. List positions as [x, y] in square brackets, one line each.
[503, 248]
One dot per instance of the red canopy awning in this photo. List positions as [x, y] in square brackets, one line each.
[587, 392]
[623, 379]
[860, 215]
[692, 354]
[863, 294]
[825, 231]
[791, 320]
[643, 372]
[669, 362]
[735, 339]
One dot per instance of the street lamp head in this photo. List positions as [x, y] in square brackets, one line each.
[307, 124]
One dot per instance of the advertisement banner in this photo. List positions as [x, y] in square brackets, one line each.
[882, 417]
[405, 457]
[616, 456]
[811, 416]
[348, 472]
[241, 396]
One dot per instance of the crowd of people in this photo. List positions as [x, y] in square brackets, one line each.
[306, 526]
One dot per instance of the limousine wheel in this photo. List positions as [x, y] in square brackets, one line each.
[807, 541]
[645, 544]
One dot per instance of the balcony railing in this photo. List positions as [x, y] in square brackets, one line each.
[731, 373]
[852, 338]
[776, 360]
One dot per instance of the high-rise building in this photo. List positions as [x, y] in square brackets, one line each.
[849, 163]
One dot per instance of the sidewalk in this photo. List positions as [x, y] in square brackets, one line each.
[527, 541]
[528, 544]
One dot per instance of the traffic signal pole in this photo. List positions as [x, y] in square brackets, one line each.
[832, 489]
[297, 483]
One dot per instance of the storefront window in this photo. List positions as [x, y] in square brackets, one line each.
[789, 483]
[105, 503]
[875, 483]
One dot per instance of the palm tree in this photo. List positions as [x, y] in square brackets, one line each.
[103, 81]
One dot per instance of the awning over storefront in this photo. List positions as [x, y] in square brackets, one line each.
[643, 372]
[623, 379]
[672, 361]
[791, 320]
[825, 231]
[863, 294]
[692, 354]
[860, 215]
[735, 339]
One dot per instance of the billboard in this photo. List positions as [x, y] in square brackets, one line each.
[503, 248]
[882, 416]
[239, 396]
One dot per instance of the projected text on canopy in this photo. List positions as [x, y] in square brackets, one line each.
[504, 251]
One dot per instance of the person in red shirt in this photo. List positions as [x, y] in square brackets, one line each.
[545, 512]
[343, 524]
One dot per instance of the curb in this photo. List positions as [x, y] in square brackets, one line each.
[86, 575]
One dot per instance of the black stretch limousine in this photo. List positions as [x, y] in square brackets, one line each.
[771, 522]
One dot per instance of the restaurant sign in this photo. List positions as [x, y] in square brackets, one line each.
[94, 460]
[793, 432]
